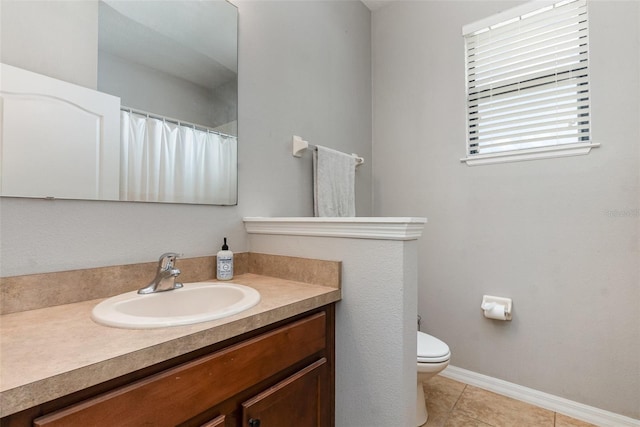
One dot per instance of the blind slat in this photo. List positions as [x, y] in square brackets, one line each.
[539, 141]
[550, 91]
[528, 81]
[530, 73]
[522, 36]
[531, 107]
[558, 44]
[526, 115]
[526, 86]
[565, 126]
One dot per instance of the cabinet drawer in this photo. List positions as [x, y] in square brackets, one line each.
[175, 395]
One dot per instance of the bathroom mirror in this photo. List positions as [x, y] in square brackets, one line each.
[172, 67]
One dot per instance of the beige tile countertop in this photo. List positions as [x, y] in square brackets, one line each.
[51, 352]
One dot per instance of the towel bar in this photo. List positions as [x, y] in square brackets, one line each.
[299, 145]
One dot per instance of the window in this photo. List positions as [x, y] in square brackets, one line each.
[527, 75]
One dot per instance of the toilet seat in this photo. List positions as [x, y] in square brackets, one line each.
[431, 349]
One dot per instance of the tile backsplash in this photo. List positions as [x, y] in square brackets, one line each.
[30, 292]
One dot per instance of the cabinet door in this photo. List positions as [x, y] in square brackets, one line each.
[300, 401]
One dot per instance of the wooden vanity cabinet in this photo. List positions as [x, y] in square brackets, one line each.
[281, 377]
[293, 402]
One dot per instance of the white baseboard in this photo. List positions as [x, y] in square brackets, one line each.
[548, 401]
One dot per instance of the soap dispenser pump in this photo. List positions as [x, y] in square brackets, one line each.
[224, 260]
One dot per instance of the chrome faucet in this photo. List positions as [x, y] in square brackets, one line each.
[165, 279]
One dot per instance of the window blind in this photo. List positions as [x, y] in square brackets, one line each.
[528, 82]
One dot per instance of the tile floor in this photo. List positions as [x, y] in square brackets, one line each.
[454, 404]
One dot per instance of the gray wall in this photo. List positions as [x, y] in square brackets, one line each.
[307, 72]
[304, 68]
[559, 236]
[43, 36]
[144, 88]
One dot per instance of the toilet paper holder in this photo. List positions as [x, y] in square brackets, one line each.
[498, 308]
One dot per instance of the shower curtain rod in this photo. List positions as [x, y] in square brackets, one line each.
[175, 121]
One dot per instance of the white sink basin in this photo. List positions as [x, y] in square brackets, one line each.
[193, 303]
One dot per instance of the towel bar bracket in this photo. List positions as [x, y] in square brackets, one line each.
[299, 145]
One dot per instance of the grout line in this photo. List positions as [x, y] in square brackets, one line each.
[456, 403]
[459, 397]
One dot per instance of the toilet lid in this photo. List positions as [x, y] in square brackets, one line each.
[431, 349]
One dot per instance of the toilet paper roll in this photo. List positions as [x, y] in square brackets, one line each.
[498, 312]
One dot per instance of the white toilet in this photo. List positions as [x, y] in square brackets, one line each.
[433, 357]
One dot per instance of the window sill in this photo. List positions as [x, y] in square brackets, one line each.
[530, 154]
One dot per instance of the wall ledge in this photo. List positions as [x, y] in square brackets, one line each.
[381, 228]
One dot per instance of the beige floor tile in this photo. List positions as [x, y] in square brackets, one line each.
[441, 394]
[458, 419]
[564, 421]
[436, 418]
[501, 411]
[443, 390]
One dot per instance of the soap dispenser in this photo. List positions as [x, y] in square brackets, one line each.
[224, 260]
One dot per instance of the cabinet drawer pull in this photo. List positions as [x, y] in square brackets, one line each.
[254, 422]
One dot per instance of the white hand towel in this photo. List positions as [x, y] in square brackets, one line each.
[334, 176]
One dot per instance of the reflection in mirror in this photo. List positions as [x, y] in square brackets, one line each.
[165, 161]
[172, 66]
[172, 58]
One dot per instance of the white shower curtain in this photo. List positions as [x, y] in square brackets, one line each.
[167, 162]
